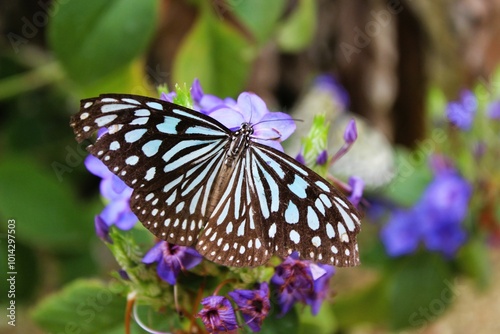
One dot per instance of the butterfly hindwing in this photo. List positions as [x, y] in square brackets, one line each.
[303, 212]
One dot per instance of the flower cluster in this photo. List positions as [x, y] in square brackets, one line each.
[302, 281]
[217, 313]
[436, 219]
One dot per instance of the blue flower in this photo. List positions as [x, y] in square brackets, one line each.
[436, 219]
[217, 314]
[401, 234]
[301, 281]
[461, 113]
[117, 212]
[171, 260]
[253, 304]
[270, 128]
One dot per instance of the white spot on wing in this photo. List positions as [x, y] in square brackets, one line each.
[132, 160]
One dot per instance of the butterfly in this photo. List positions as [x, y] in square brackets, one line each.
[197, 183]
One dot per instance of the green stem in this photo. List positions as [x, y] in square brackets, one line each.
[24, 82]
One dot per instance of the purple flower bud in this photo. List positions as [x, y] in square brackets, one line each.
[217, 314]
[350, 133]
[171, 260]
[169, 97]
[196, 91]
[357, 185]
[322, 158]
[102, 229]
[253, 304]
[123, 274]
[300, 158]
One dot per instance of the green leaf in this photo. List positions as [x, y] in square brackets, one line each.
[94, 38]
[128, 79]
[260, 16]
[420, 289]
[298, 31]
[474, 260]
[46, 212]
[216, 54]
[275, 324]
[85, 307]
[321, 323]
[368, 305]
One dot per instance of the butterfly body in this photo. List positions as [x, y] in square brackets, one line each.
[197, 183]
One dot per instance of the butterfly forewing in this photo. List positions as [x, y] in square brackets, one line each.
[237, 211]
[168, 154]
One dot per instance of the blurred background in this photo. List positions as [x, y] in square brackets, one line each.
[394, 64]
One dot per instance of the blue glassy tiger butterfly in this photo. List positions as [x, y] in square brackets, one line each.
[197, 183]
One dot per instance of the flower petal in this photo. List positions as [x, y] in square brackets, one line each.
[231, 118]
[154, 254]
[282, 125]
[168, 271]
[97, 167]
[252, 107]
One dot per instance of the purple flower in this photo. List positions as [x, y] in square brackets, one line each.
[331, 85]
[461, 113]
[357, 185]
[322, 158]
[351, 132]
[171, 260]
[117, 211]
[493, 110]
[102, 229]
[300, 281]
[401, 234]
[253, 304]
[217, 314]
[321, 288]
[270, 128]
